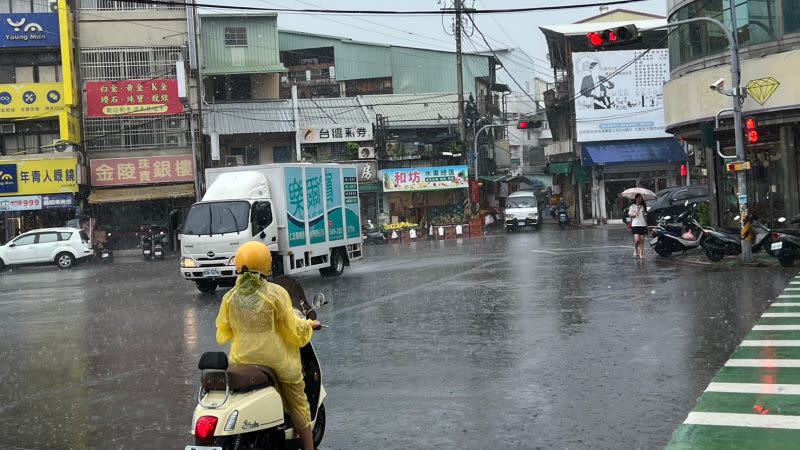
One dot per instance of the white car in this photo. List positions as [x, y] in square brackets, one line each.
[61, 246]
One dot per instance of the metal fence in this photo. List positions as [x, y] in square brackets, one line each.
[129, 63]
[122, 5]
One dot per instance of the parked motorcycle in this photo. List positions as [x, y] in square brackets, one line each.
[718, 243]
[786, 243]
[103, 251]
[152, 242]
[563, 217]
[682, 235]
[238, 405]
[372, 235]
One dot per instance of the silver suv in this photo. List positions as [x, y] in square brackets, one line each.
[522, 211]
[61, 246]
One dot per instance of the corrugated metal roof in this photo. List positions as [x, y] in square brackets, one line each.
[322, 111]
[250, 117]
[435, 110]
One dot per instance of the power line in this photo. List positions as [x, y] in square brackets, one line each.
[380, 12]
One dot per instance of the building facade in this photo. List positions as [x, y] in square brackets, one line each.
[138, 72]
[606, 117]
[42, 182]
[768, 33]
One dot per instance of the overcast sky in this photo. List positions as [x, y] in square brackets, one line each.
[511, 30]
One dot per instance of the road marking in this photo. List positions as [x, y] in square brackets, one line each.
[770, 343]
[755, 388]
[785, 304]
[743, 420]
[781, 314]
[763, 363]
[776, 328]
[789, 296]
[792, 289]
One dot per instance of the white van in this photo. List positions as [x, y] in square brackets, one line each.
[522, 211]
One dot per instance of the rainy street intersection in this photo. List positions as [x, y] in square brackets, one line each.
[552, 339]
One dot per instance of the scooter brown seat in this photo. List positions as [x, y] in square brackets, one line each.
[241, 377]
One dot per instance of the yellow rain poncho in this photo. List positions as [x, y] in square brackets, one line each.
[258, 318]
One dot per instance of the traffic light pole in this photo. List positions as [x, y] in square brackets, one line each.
[736, 95]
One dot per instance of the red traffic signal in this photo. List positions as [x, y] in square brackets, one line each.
[750, 130]
[523, 124]
[684, 171]
[613, 36]
[526, 124]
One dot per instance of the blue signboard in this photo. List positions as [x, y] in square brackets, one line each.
[8, 178]
[29, 30]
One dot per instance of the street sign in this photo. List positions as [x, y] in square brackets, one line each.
[738, 166]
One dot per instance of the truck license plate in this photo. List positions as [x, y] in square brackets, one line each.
[521, 223]
[212, 273]
[776, 246]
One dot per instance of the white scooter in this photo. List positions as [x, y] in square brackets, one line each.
[238, 406]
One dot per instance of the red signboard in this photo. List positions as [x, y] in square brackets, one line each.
[474, 191]
[142, 170]
[132, 98]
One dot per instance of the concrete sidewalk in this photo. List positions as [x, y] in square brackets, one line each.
[754, 400]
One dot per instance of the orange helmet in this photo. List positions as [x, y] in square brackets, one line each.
[253, 257]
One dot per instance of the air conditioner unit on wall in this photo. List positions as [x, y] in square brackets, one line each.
[7, 128]
[60, 146]
[366, 153]
[234, 160]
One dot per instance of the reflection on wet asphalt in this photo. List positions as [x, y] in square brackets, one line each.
[558, 338]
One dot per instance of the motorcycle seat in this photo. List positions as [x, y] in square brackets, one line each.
[241, 377]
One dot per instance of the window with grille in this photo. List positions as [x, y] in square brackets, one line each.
[235, 36]
[129, 63]
[24, 6]
[126, 5]
[109, 134]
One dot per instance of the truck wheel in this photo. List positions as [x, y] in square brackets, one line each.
[277, 265]
[337, 265]
[2, 265]
[206, 286]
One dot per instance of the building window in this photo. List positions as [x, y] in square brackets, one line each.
[129, 63]
[281, 154]
[232, 87]
[134, 133]
[24, 6]
[248, 156]
[235, 37]
[29, 137]
[791, 16]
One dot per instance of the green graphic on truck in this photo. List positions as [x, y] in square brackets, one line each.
[351, 203]
[295, 202]
[333, 198]
[316, 209]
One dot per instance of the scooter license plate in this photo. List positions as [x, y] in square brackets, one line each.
[212, 273]
[201, 447]
[147, 252]
[776, 246]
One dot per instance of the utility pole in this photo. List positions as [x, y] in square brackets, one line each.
[460, 75]
[737, 97]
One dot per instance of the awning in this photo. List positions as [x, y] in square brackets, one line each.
[560, 168]
[641, 151]
[535, 184]
[141, 193]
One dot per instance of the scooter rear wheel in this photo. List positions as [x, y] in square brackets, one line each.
[715, 255]
[319, 426]
[662, 250]
[786, 258]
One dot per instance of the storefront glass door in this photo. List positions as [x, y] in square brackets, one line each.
[615, 205]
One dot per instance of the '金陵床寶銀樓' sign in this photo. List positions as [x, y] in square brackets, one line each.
[132, 98]
[424, 179]
[142, 170]
[38, 176]
[29, 30]
[335, 133]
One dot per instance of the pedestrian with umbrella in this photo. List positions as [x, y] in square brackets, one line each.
[638, 215]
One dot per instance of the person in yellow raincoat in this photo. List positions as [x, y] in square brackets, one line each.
[257, 317]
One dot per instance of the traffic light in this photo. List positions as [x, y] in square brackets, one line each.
[527, 124]
[684, 171]
[750, 130]
[613, 36]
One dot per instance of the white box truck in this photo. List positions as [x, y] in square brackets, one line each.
[307, 214]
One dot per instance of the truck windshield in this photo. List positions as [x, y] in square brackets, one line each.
[217, 218]
[521, 202]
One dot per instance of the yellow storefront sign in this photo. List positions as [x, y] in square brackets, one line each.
[31, 100]
[39, 176]
[69, 127]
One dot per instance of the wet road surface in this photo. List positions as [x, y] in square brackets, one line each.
[552, 339]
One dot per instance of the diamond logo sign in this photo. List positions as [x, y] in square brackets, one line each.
[762, 89]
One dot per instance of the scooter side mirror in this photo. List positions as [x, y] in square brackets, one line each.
[737, 217]
[686, 203]
[782, 219]
[318, 300]
[667, 217]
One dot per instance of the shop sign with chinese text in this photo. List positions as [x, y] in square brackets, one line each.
[424, 179]
[31, 100]
[26, 203]
[29, 30]
[142, 170]
[39, 176]
[132, 98]
[336, 133]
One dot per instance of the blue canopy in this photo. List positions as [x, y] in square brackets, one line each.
[641, 151]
